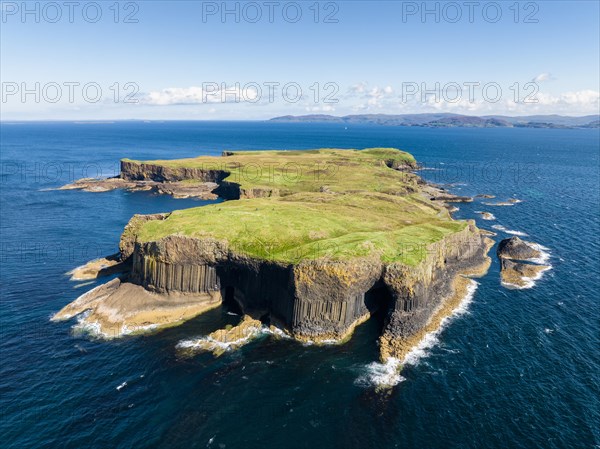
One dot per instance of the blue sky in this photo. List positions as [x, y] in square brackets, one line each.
[183, 60]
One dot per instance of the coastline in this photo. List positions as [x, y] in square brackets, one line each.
[175, 277]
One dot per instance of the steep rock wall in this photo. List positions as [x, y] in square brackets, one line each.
[134, 171]
[315, 299]
[418, 292]
[331, 296]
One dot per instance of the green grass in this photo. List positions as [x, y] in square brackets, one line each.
[373, 209]
[307, 170]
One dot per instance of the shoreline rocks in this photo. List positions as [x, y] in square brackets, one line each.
[96, 268]
[519, 261]
[178, 189]
[223, 340]
[120, 308]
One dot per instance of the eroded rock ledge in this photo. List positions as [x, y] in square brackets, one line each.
[314, 257]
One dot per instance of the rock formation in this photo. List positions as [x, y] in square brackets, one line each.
[355, 232]
[517, 249]
[516, 257]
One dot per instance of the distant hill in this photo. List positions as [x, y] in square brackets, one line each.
[446, 120]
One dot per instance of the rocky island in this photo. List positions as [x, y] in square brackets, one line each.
[309, 242]
[521, 262]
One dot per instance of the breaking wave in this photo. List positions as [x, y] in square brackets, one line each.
[509, 231]
[388, 374]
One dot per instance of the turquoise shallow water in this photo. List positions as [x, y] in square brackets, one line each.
[519, 369]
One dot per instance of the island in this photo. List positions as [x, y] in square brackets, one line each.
[309, 242]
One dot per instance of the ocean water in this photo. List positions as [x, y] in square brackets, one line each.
[515, 368]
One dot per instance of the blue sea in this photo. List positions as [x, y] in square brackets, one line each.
[515, 369]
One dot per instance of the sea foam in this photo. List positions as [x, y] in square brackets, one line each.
[388, 374]
[209, 343]
[509, 231]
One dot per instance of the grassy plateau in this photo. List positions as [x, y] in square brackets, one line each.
[311, 204]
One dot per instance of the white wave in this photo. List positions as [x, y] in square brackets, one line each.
[84, 327]
[544, 253]
[388, 374]
[129, 330]
[123, 385]
[326, 342]
[431, 339]
[209, 343]
[94, 328]
[381, 374]
[509, 231]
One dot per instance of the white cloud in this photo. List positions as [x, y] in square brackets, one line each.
[375, 97]
[210, 93]
[542, 77]
[358, 88]
[364, 98]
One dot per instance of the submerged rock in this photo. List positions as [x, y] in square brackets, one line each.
[487, 216]
[223, 340]
[449, 198]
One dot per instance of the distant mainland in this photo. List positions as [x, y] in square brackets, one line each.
[447, 120]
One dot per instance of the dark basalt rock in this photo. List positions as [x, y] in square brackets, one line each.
[516, 249]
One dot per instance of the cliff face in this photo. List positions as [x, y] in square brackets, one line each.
[318, 299]
[419, 293]
[133, 171]
[313, 300]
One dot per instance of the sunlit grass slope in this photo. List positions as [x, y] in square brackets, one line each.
[332, 203]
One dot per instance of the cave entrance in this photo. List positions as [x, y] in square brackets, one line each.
[229, 302]
[378, 301]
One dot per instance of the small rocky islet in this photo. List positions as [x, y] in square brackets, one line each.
[310, 244]
[520, 262]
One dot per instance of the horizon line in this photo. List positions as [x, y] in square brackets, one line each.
[278, 116]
